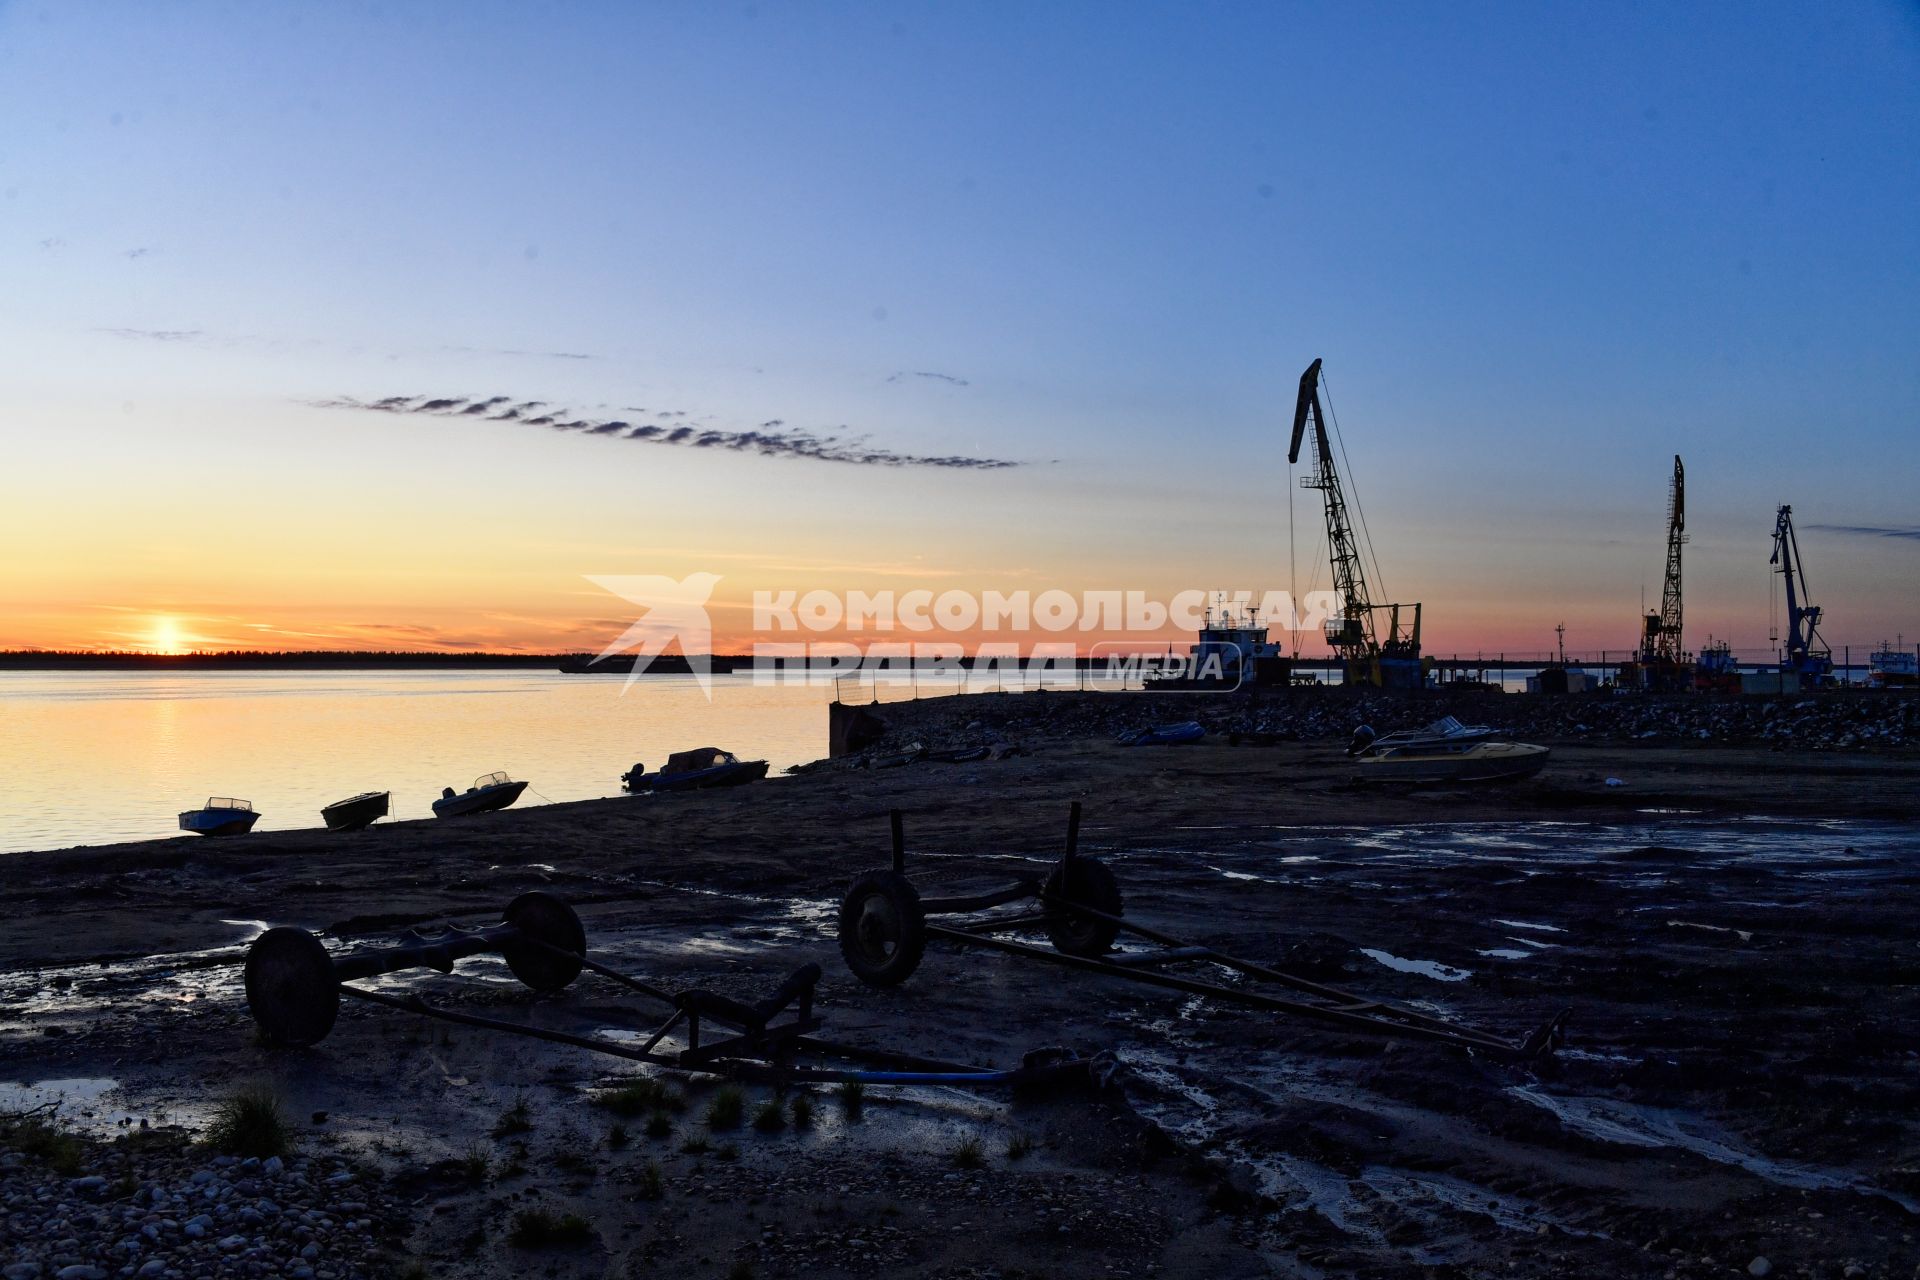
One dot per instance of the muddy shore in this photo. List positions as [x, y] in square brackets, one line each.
[1732, 928]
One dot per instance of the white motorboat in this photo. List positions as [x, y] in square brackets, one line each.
[221, 816]
[1444, 751]
[489, 791]
[1458, 761]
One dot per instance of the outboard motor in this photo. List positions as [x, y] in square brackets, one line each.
[1363, 737]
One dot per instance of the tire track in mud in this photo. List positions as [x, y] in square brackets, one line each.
[1650, 1132]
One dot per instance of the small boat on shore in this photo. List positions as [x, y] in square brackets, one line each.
[356, 812]
[489, 791]
[959, 755]
[1460, 760]
[1166, 735]
[1442, 732]
[221, 816]
[696, 770]
[912, 753]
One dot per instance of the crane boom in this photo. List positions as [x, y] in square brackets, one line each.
[1661, 646]
[1352, 635]
[1803, 616]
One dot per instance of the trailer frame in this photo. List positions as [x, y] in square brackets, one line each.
[294, 985]
[885, 924]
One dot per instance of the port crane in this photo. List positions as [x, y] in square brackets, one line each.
[1804, 653]
[1388, 656]
[1662, 661]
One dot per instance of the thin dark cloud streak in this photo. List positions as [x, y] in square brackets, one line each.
[904, 374]
[230, 340]
[532, 355]
[1870, 530]
[157, 335]
[772, 439]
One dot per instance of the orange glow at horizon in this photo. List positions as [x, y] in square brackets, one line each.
[166, 636]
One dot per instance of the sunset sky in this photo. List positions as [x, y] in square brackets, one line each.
[861, 250]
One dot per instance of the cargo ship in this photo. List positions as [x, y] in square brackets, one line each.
[1233, 649]
[1893, 666]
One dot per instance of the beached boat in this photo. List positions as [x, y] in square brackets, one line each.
[356, 812]
[1165, 735]
[1441, 732]
[912, 753]
[1459, 760]
[489, 791]
[696, 770]
[221, 816]
[959, 755]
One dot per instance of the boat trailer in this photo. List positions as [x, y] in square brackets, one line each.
[294, 985]
[885, 926]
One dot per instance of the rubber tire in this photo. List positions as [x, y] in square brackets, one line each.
[883, 932]
[291, 990]
[543, 916]
[1089, 882]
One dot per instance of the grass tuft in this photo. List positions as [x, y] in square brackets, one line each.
[659, 1125]
[250, 1123]
[1019, 1146]
[969, 1154]
[476, 1163]
[640, 1095]
[771, 1117]
[802, 1108]
[46, 1142]
[695, 1146]
[653, 1183]
[515, 1119]
[540, 1229]
[726, 1151]
[853, 1098]
[617, 1138]
[729, 1105]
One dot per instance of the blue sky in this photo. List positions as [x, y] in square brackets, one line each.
[1540, 248]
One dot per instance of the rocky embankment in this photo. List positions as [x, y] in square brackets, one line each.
[1851, 720]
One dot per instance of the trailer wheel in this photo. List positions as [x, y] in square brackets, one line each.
[1090, 883]
[883, 932]
[291, 988]
[549, 954]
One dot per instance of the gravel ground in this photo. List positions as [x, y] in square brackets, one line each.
[155, 1205]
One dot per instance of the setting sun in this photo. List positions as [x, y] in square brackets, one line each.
[165, 636]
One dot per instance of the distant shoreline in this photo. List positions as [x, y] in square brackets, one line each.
[345, 660]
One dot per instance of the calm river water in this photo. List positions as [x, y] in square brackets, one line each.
[107, 756]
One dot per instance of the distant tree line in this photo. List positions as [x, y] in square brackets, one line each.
[324, 659]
